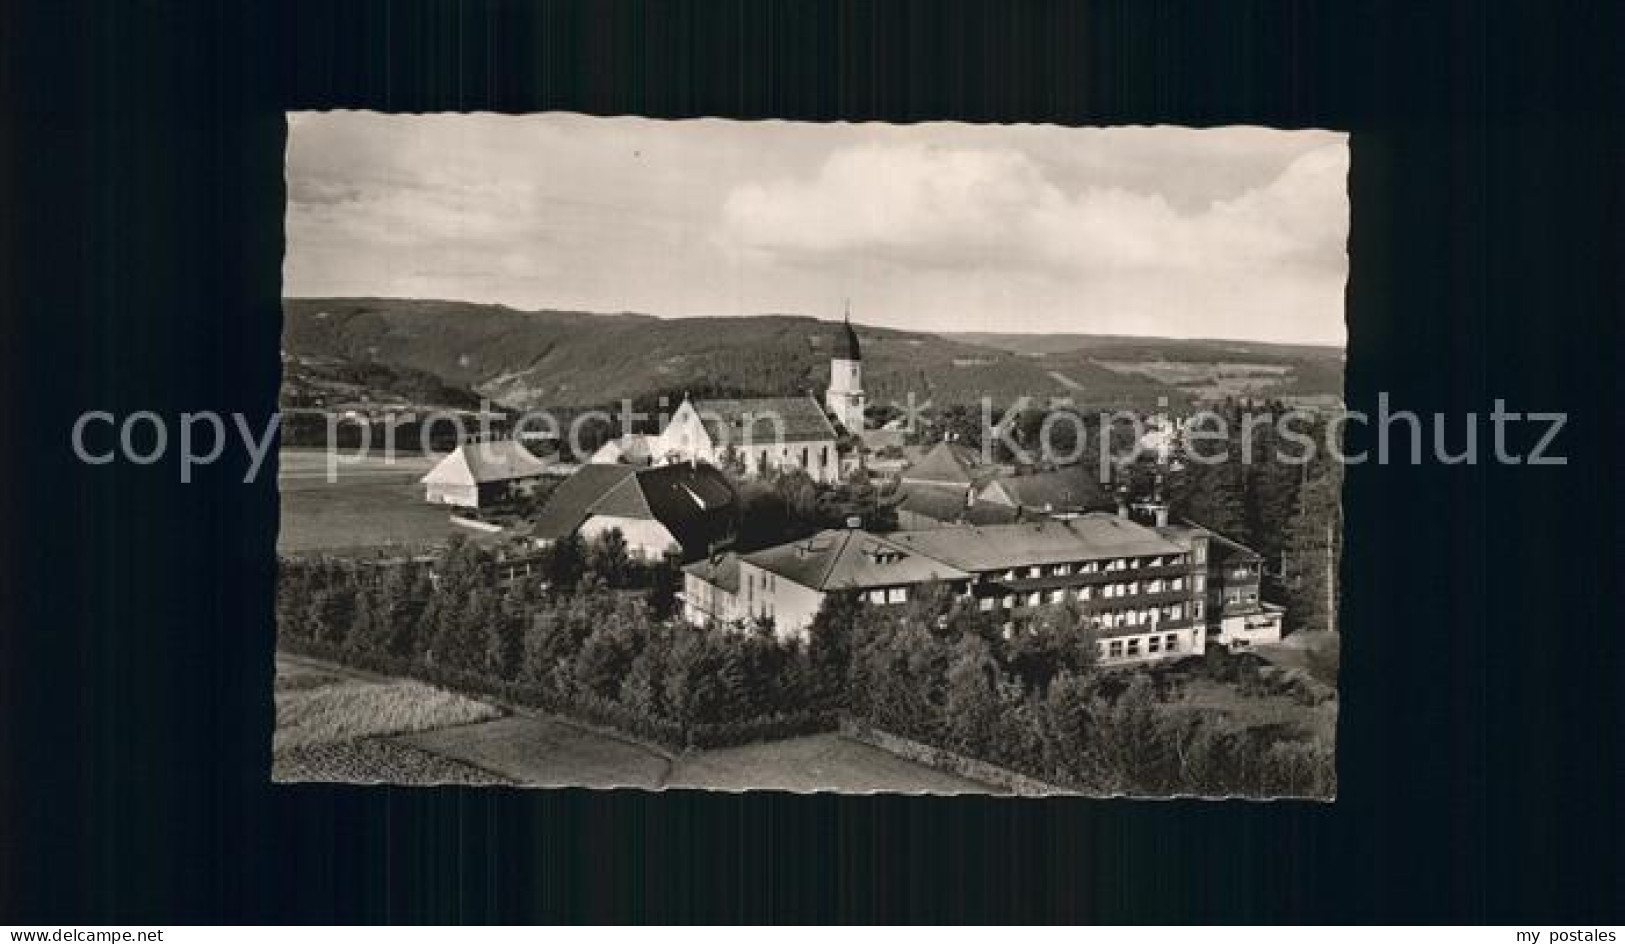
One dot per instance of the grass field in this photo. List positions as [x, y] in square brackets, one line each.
[548, 752]
[370, 504]
[338, 725]
[378, 761]
[822, 762]
[335, 725]
[541, 751]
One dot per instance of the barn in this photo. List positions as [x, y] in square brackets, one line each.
[481, 474]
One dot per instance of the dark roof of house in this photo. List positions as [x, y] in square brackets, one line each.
[1092, 536]
[937, 502]
[1060, 490]
[851, 559]
[989, 513]
[770, 420]
[495, 460]
[693, 501]
[947, 462]
[946, 503]
[719, 570]
[569, 504]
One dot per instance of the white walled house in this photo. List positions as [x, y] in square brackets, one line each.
[683, 510]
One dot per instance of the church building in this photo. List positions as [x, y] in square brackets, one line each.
[762, 434]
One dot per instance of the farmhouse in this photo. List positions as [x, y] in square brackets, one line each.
[759, 434]
[482, 473]
[680, 509]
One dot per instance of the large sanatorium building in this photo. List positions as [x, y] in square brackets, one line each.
[1147, 591]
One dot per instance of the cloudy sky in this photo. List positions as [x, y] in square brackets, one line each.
[1230, 233]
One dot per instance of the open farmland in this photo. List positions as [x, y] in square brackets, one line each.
[369, 503]
[548, 752]
[821, 762]
[340, 725]
[333, 726]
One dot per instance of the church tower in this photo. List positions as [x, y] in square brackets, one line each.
[845, 397]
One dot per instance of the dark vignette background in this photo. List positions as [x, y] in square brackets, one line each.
[1481, 746]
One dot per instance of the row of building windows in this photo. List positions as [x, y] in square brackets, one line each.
[1112, 591]
[1093, 567]
[1172, 611]
[1131, 647]
[1148, 617]
[823, 458]
[887, 595]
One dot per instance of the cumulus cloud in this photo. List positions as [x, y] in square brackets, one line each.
[1234, 232]
[947, 207]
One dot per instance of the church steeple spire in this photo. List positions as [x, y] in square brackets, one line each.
[845, 397]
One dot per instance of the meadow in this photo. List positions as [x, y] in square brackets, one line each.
[370, 503]
[337, 726]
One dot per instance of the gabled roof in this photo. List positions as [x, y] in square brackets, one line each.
[694, 502]
[851, 559]
[770, 420]
[497, 460]
[947, 462]
[571, 502]
[1093, 536]
[1059, 490]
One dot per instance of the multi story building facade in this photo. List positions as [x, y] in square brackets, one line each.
[1227, 577]
[1132, 585]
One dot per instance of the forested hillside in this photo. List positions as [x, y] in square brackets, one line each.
[561, 358]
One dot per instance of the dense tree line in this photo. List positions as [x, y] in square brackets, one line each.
[1262, 495]
[590, 634]
[786, 505]
[1033, 702]
[594, 634]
